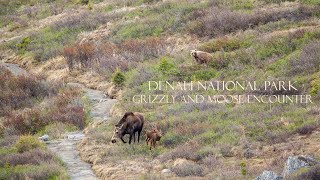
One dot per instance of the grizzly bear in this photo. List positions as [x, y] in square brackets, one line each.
[201, 57]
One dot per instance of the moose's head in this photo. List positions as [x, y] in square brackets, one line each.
[117, 132]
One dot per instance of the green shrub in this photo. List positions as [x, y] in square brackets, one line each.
[315, 87]
[118, 78]
[172, 139]
[311, 2]
[205, 75]
[23, 44]
[227, 44]
[274, 46]
[243, 167]
[166, 67]
[90, 4]
[85, 2]
[27, 143]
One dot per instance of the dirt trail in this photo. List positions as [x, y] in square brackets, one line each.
[66, 148]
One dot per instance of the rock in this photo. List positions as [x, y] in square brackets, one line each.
[268, 175]
[294, 163]
[166, 171]
[44, 137]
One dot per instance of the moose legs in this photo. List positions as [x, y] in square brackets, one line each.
[139, 132]
[152, 143]
[130, 138]
[132, 134]
[122, 140]
[134, 137]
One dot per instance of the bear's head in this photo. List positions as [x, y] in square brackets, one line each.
[194, 53]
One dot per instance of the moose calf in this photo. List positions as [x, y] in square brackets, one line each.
[154, 135]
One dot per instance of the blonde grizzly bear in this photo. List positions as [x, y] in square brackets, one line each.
[201, 57]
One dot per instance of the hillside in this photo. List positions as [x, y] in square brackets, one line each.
[119, 46]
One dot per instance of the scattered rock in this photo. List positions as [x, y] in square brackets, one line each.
[166, 171]
[296, 162]
[268, 175]
[44, 137]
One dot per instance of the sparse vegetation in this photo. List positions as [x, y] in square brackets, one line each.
[67, 109]
[189, 170]
[131, 42]
[27, 157]
[27, 143]
[22, 114]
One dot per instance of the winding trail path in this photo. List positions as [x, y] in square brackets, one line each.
[66, 148]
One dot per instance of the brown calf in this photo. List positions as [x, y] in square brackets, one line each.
[154, 135]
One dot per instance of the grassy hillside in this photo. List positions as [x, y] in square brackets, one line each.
[150, 40]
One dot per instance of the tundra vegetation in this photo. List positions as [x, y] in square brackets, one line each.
[30, 107]
[150, 40]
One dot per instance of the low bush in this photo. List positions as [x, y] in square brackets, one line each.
[27, 121]
[166, 66]
[276, 137]
[226, 44]
[27, 143]
[107, 57]
[65, 107]
[20, 91]
[315, 87]
[308, 61]
[49, 42]
[141, 49]
[311, 174]
[188, 169]
[172, 139]
[8, 141]
[225, 150]
[118, 78]
[35, 156]
[167, 18]
[306, 129]
[234, 4]
[311, 2]
[23, 44]
[45, 171]
[219, 21]
[186, 151]
[211, 162]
